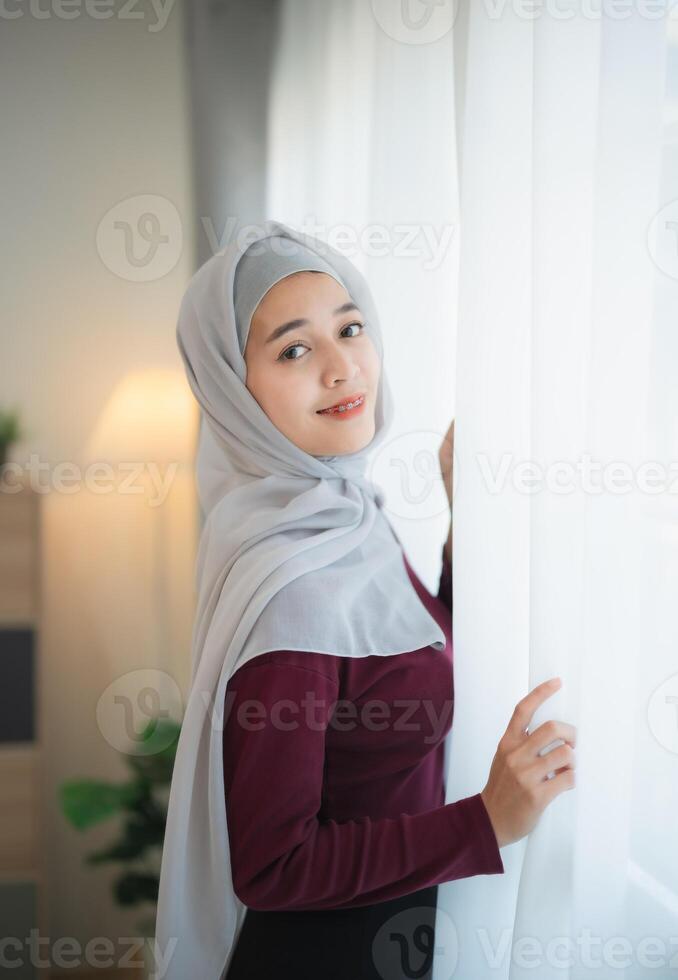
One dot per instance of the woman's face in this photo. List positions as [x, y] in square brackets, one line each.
[324, 357]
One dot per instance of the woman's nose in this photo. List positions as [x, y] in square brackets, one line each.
[340, 366]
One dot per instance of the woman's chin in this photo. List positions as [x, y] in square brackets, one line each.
[349, 440]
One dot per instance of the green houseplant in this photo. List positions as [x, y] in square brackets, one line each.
[142, 801]
[10, 432]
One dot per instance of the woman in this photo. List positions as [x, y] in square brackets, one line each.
[304, 840]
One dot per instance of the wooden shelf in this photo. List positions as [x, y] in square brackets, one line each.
[22, 850]
[19, 807]
[19, 567]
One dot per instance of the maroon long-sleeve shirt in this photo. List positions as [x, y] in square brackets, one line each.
[334, 776]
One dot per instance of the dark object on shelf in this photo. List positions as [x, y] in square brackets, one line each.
[16, 685]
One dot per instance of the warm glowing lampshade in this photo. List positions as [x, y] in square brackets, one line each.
[150, 416]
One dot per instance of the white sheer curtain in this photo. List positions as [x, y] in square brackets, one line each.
[564, 341]
[566, 345]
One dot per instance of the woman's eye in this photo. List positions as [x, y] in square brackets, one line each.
[284, 354]
[299, 343]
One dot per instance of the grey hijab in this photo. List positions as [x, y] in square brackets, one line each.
[296, 553]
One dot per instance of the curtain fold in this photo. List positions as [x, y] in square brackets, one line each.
[555, 564]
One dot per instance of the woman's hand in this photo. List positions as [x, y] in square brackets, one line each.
[518, 788]
[446, 457]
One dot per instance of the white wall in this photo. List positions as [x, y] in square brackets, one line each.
[93, 111]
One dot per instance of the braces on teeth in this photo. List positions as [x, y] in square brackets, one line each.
[343, 408]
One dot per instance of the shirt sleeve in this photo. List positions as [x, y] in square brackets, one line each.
[283, 856]
[445, 586]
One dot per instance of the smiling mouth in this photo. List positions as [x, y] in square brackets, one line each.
[349, 404]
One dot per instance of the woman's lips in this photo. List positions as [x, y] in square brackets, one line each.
[343, 412]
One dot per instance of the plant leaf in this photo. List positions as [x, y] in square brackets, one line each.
[85, 802]
[134, 887]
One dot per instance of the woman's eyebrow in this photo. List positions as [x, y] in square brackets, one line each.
[296, 324]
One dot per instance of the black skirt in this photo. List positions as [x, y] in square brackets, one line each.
[392, 940]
